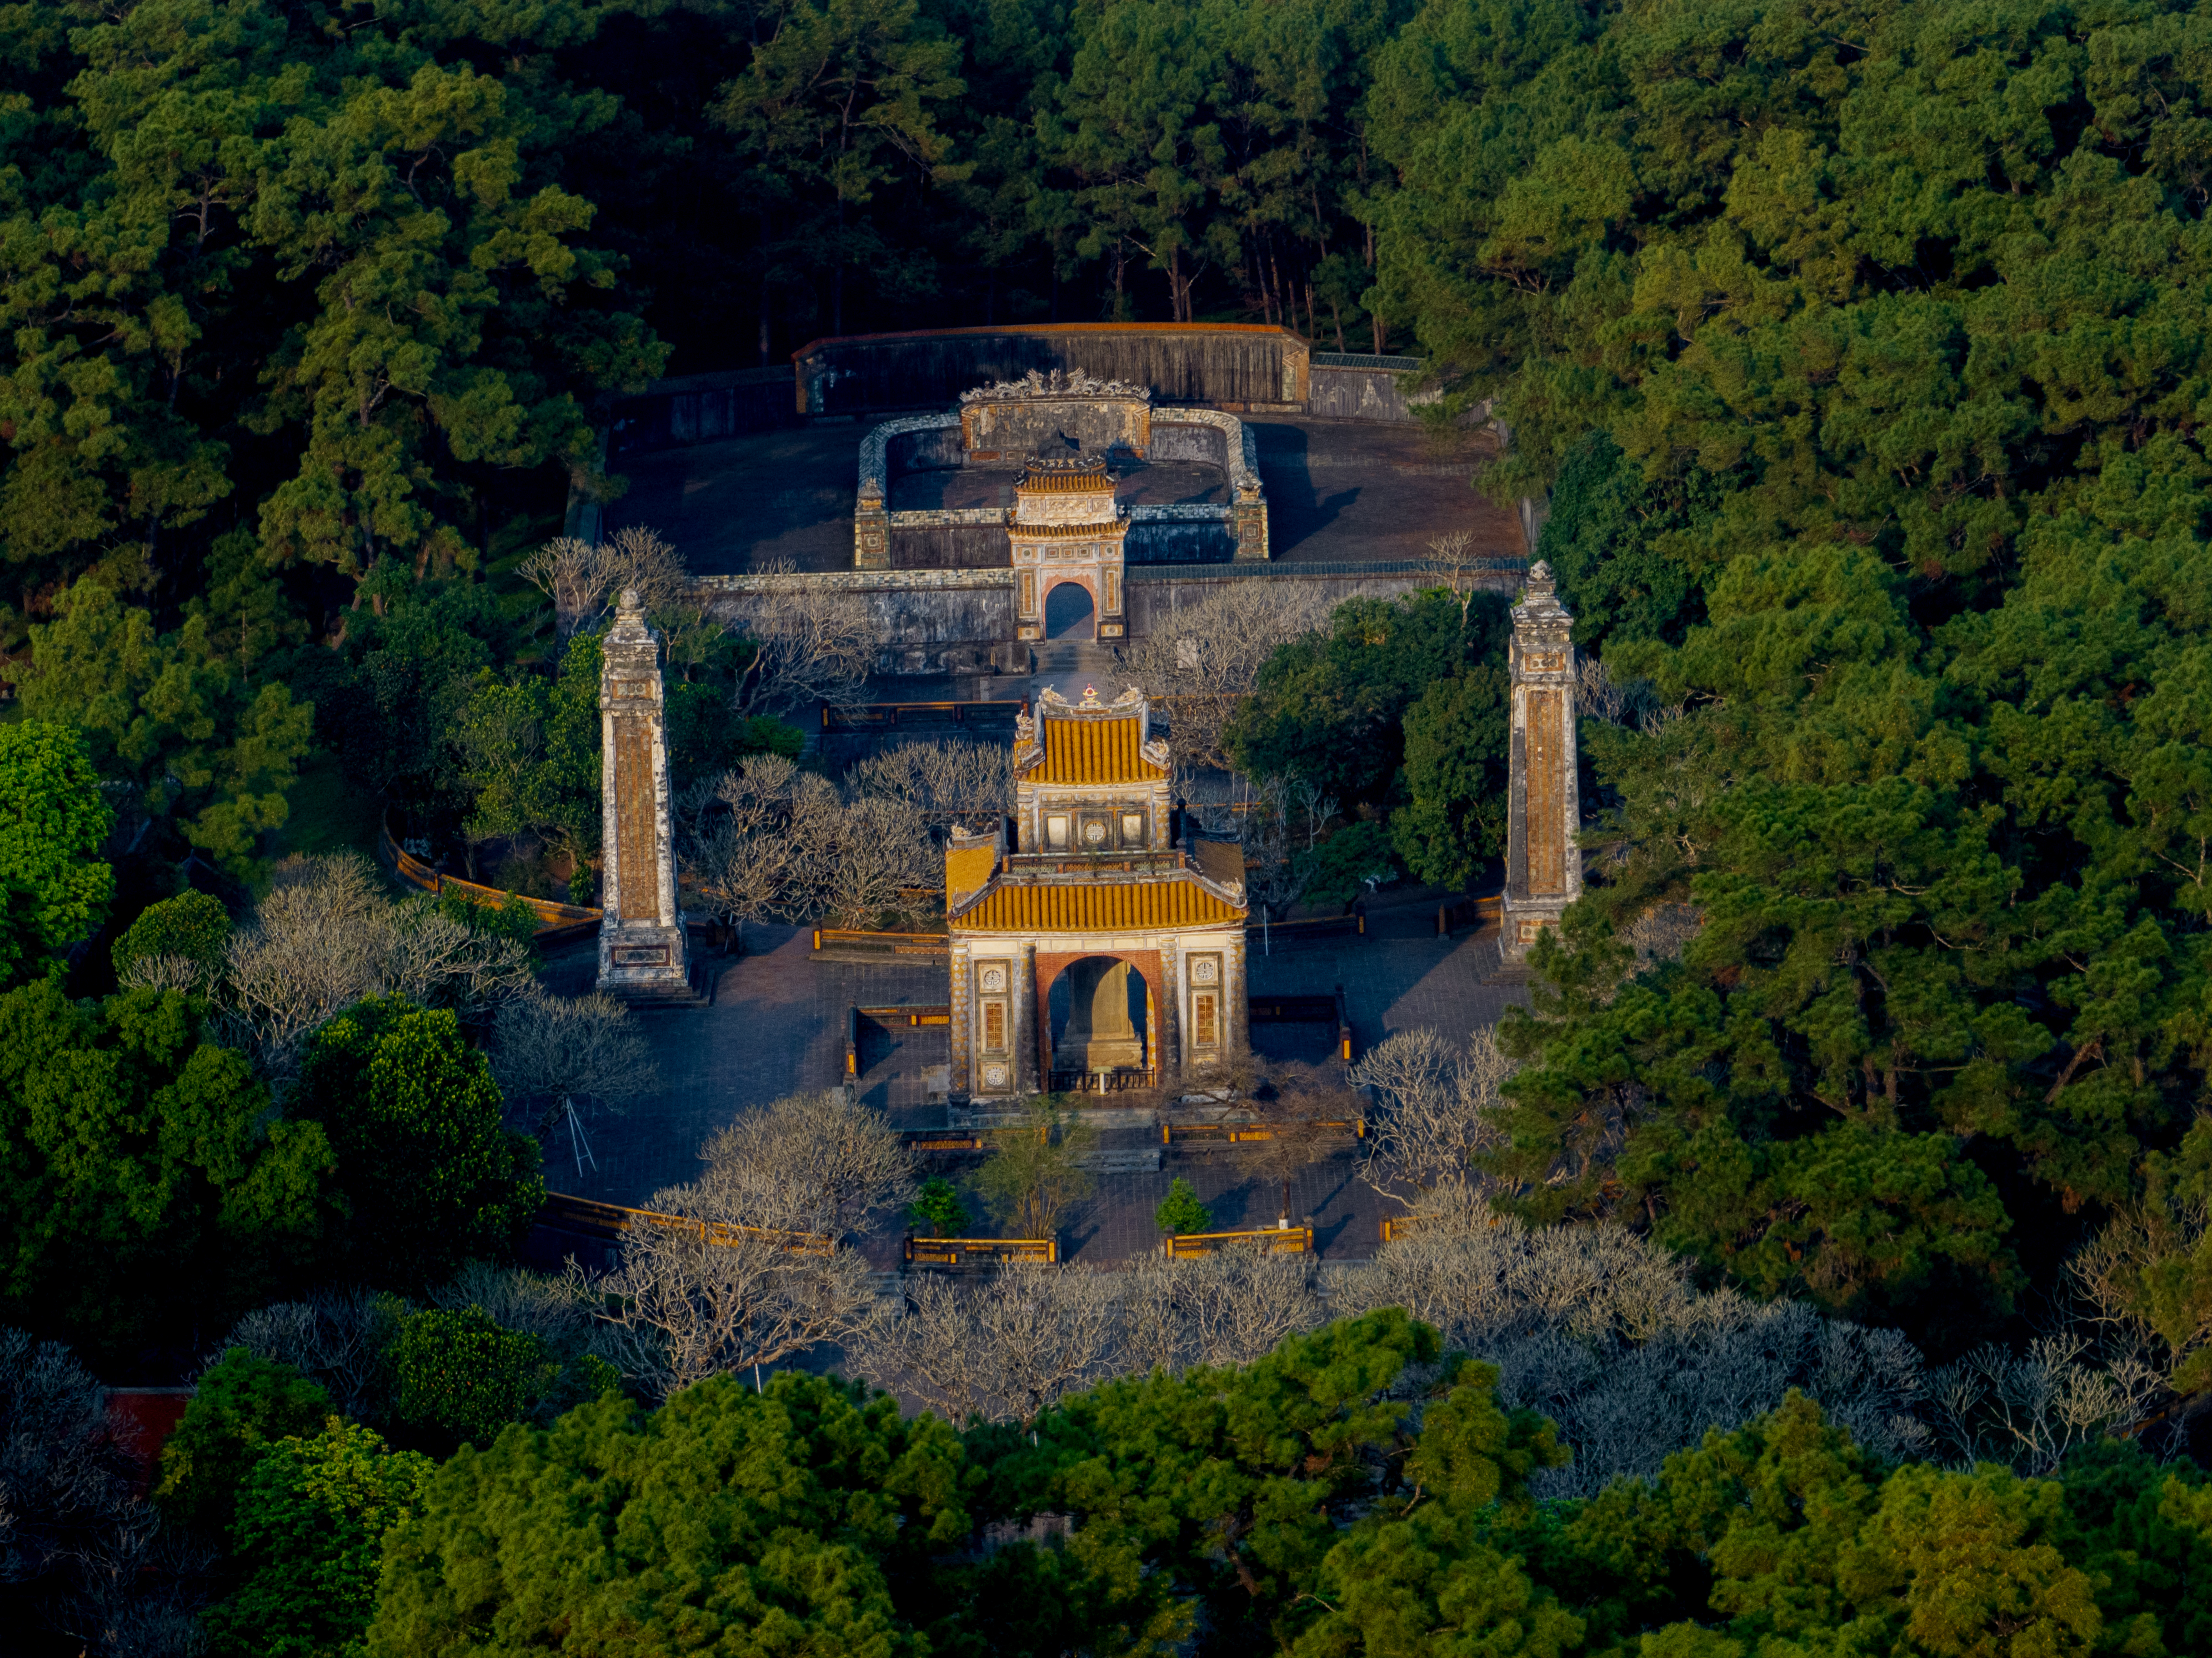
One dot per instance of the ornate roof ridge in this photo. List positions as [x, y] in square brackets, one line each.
[1070, 382]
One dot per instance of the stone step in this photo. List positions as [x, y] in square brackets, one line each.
[1134, 1160]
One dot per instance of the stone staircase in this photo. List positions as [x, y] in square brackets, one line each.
[1068, 664]
[1123, 1160]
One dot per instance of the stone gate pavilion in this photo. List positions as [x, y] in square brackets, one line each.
[1098, 950]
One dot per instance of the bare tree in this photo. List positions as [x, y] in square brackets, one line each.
[575, 576]
[810, 644]
[562, 1309]
[945, 781]
[71, 1529]
[337, 1338]
[1226, 1308]
[1456, 552]
[639, 560]
[1207, 658]
[1298, 1104]
[1607, 1335]
[694, 1300]
[877, 860]
[1435, 1110]
[2029, 1409]
[549, 1053]
[737, 844]
[326, 936]
[809, 1163]
[1273, 876]
[1003, 1348]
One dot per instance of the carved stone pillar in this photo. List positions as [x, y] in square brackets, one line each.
[642, 950]
[1543, 864]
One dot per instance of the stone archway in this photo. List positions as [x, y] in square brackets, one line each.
[1070, 612]
[1078, 995]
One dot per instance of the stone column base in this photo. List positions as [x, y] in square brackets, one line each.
[1523, 924]
[643, 963]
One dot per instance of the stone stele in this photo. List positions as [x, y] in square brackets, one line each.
[1543, 864]
[642, 952]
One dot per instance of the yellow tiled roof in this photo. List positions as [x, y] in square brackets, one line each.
[1094, 751]
[967, 868]
[1103, 529]
[1126, 907]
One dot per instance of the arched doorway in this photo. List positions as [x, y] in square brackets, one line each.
[1068, 613]
[1098, 1017]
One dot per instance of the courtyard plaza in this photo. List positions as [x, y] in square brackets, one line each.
[1338, 492]
[776, 1026]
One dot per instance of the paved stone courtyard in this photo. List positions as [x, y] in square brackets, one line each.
[1338, 491]
[777, 1023]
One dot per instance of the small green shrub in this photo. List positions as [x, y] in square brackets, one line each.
[1181, 1212]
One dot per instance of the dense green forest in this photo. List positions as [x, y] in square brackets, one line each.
[1861, 351]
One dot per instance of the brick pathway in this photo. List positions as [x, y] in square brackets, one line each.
[776, 1027]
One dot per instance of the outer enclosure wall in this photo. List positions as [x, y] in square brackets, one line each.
[702, 409]
[1203, 363]
[1348, 386]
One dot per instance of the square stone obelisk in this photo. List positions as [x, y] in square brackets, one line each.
[1543, 864]
[642, 952]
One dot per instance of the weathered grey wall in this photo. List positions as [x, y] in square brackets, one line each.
[1180, 544]
[949, 547]
[1002, 432]
[1155, 594]
[935, 450]
[1199, 362]
[1181, 441]
[1348, 387]
[702, 408]
[943, 620]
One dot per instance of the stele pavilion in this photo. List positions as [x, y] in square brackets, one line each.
[1098, 950]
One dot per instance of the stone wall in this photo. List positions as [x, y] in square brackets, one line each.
[703, 408]
[1011, 430]
[1195, 362]
[1345, 386]
[954, 620]
[930, 449]
[943, 620]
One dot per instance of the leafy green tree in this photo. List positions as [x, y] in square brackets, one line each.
[148, 1183]
[807, 1514]
[309, 1542]
[1623, 547]
[937, 1205]
[838, 108]
[192, 927]
[1180, 1212]
[463, 1374]
[1458, 742]
[1130, 124]
[201, 747]
[1331, 706]
[241, 1406]
[1424, 1573]
[1339, 869]
[1037, 1173]
[430, 1174]
[1217, 1492]
[53, 823]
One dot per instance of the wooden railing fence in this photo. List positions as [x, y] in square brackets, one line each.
[611, 1220]
[557, 923]
[972, 1254]
[1279, 1240]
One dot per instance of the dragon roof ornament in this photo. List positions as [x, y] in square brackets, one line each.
[1058, 383]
